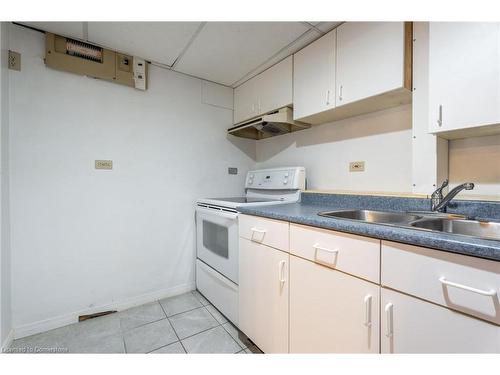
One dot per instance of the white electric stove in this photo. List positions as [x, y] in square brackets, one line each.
[217, 232]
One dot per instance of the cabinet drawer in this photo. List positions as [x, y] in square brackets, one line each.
[356, 255]
[456, 281]
[268, 232]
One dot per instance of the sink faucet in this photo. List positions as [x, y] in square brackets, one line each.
[439, 203]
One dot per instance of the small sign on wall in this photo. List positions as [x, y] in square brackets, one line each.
[104, 164]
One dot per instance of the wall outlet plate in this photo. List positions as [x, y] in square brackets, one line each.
[14, 61]
[232, 170]
[104, 164]
[357, 166]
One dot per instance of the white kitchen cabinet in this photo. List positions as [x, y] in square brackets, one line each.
[266, 92]
[314, 77]
[360, 67]
[355, 255]
[245, 101]
[464, 76]
[460, 282]
[263, 296]
[370, 60]
[330, 311]
[410, 325]
[270, 232]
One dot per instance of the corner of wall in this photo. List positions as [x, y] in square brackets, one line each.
[6, 332]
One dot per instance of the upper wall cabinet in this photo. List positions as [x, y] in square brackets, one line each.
[464, 78]
[370, 59]
[268, 91]
[314, 77]
[368, 64]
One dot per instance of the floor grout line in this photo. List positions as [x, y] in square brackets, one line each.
[208, 329]
[202, 305]
[142, 325]
[237, 343]
[173, 328]
[199, 299]
[194, 334]
[209, 316]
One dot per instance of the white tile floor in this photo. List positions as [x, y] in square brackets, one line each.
[187, 323]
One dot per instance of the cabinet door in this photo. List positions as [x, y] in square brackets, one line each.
[275, 87]
[245, 101]
[266, 92]
[410, 325]
[330, 311]
[314, 77]
[370, 59]
[263, 296]
[464, 75]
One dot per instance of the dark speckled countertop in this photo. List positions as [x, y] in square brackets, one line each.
[306, 212]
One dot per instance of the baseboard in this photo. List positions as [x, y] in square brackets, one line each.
[8, 341]
[63, 320]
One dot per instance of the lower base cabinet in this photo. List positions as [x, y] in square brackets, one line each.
[301, 302]
[263, 296]
[410, 325]
[330, 311]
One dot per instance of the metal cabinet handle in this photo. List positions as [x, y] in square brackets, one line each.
[440, 116]
[327, 97]
[389, 329]
[368, 310]
[489, 293]
[340, 92]
[281, 272]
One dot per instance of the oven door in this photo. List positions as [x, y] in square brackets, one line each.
[217, 240]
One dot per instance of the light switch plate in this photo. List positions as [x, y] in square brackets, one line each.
[104, 164]
[357, 166]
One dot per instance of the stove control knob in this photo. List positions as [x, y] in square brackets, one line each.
[285, 182]
[286, 175]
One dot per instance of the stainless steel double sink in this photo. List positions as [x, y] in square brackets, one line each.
[431, 221]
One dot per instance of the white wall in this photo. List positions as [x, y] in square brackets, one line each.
[381, 139]
[476, 160]
[5, 262]
[83, 238]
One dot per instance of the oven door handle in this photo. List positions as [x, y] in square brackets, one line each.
[215, 212]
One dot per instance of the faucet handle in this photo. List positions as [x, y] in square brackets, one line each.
[444, 184]
[439, 191]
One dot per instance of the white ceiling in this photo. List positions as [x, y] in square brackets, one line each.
[224, 52]
[157, 41]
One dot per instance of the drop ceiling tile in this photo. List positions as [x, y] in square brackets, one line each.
[71, 29]
[295, 46]
[157, 41]
[224, 52]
